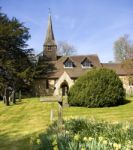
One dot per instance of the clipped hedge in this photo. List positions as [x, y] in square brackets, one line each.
[97, 88]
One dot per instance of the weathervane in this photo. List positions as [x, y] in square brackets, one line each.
[49, 11]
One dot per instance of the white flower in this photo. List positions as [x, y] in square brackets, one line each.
[105, 142]
[85, 139]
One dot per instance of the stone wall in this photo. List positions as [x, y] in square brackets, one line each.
[41, 88]
[125, 80]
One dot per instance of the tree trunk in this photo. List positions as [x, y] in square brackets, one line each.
[7, 97]
[13, 97]
[19, 95]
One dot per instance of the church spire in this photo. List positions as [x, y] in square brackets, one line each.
[50, 40]
[50, 47]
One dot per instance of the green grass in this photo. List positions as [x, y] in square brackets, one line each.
[20, 122]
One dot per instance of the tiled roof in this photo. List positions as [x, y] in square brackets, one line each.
[77, 70]
[120, 69]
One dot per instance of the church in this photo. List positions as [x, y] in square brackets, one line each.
[63, 70]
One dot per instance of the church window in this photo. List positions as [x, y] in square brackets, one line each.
[49, 48]
[86, 64]
[68, 64]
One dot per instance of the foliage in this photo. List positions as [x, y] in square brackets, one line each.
[97, 88]
[30, 117]
[123, 49]
[65, 49]
[15, 65]
[43, 66]
[80, 134]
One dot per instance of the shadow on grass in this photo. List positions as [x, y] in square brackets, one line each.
[19, 102]
[126, 101]
[15, 143]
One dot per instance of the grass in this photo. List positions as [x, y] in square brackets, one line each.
[20, 122]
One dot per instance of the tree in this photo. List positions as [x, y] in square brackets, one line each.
[124, 53]
[15, 65]
[123, 49]
[97, 88]
[65, 49]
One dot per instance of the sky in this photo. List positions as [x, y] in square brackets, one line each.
[91, 26]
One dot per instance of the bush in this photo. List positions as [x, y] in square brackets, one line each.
[97, 88]
[77, 134]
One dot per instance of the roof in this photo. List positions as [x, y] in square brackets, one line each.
[50, 40]
[77, 70]
[118, 68]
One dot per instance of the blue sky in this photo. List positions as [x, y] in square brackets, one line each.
[91, 26]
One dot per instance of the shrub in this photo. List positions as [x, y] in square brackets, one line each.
[97, 88]
[77, 134]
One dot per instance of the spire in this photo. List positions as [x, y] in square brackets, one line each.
[50, 47]
[50, 40]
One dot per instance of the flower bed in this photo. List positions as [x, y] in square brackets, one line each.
[79, 134]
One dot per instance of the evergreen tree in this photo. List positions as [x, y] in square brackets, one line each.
[16, 69]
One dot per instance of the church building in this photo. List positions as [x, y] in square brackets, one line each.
[63, 70]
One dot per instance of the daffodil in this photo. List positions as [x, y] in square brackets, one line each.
[100, 138]
[38, 141]
[67, 132]
[105, 142]
[85, 139]
[90, 139]
[115, 145]
[76, 137]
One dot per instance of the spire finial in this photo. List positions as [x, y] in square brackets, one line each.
[49, 10]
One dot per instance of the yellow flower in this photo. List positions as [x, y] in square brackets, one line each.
[115, 145]
[110, 143]
[119, 146]
[38, 141]
[100, 138]
[54, 142]
[90, 139]
[76, 137]
[105, 142]
[83, 149]
[129, 142]
[126, 127]
[67, 132]
[85, 139]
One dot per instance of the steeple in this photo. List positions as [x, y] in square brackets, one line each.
[50, 46]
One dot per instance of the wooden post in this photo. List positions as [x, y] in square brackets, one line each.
[51, 115]
[60, 115]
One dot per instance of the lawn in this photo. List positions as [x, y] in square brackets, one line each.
[26, 119]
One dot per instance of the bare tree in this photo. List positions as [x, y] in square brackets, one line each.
[124, 54]
[123, 49]
[65, 49]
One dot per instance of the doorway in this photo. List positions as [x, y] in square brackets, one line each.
[65, 88]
